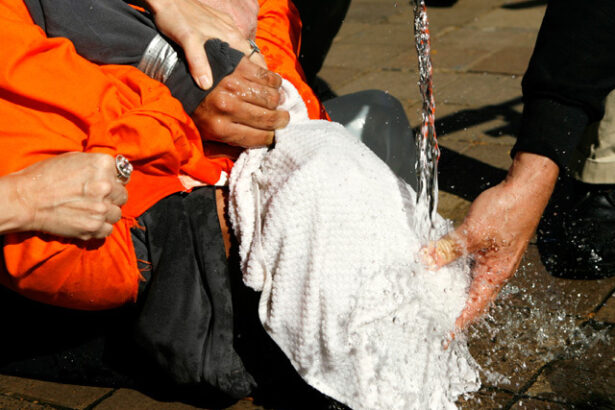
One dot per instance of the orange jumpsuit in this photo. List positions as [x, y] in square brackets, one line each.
[53, 101]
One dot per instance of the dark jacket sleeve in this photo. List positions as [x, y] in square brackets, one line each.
[113, 32]
[569, 76]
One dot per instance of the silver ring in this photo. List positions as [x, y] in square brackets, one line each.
[124, 167]
[254, 47]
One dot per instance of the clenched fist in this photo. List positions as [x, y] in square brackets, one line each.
[72, 195]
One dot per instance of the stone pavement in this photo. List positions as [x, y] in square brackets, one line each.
[549, 343]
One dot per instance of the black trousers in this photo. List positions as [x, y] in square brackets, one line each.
[181, 329]
[321, 20]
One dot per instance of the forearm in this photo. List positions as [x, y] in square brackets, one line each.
[532, 178]
[14, 216]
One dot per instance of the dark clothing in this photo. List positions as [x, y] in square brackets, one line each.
[183, 321]
[569, 76]
[112, 32]
[321, 20]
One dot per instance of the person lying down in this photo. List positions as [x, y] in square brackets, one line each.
[327, 233]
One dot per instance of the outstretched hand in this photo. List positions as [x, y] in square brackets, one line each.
[242, 109]
[497, 230]
[72, 195]
[190, 23]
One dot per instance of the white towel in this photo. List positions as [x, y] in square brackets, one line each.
[327, 234]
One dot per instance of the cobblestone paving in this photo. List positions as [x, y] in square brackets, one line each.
[548, 343]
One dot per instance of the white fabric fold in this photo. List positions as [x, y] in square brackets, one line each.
[327, 234]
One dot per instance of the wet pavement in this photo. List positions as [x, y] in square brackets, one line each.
[549, 343]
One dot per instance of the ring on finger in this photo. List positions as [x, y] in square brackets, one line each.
[124, 168]
[254, 47]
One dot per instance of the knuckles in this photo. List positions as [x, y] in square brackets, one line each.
[100, 188]
[223, 102]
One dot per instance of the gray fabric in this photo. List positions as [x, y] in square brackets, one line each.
[103, 31]
[111, 32]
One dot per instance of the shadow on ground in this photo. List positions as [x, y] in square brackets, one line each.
[460, 174]
[524, 4]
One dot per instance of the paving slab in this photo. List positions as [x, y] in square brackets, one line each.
[484, 38]
[552, 294]
[489, 124]
[484, 399]
[509, 60]
[11, 403]
[476, 89]
[336, 77]
[361, 34]
[538, 319]
[66, 395]
[533, 404]
[506, 18]
[452, 207]
[496, 155]
[586, 381]
[377, 11]
[399, 84]
[135, 400]
[607, 312]
[368, 56]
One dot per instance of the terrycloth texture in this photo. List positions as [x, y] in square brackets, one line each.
[327, 234]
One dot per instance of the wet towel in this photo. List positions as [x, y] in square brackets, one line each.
[326, 233]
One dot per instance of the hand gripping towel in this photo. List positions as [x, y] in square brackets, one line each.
[327, 234]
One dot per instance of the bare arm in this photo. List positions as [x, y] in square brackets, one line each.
[72, 195]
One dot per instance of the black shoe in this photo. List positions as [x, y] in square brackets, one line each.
[576, 237]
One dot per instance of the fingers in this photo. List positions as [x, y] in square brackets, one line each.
[106, 190]
[443, 251]
[118, 195]
[113, 215]
[198, 63]
[228, 118]
[260, 118]
[255, 73]
[247, 137]
[483, 291]
[257, 59]
[249, 103]
[97, 220]
[253, 93]
[102, 230]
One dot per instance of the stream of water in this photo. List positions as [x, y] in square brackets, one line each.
[428, 152]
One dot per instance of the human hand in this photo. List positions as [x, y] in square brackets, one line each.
[190, 23]
[243, 12]
[72, 195]
[497, 230]
[241, 109]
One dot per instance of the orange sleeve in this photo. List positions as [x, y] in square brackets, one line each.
[278, 35]
[53, 101]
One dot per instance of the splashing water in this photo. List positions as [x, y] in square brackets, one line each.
[427, 145]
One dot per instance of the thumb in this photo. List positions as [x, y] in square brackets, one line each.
[198, 63]
[445, 250]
